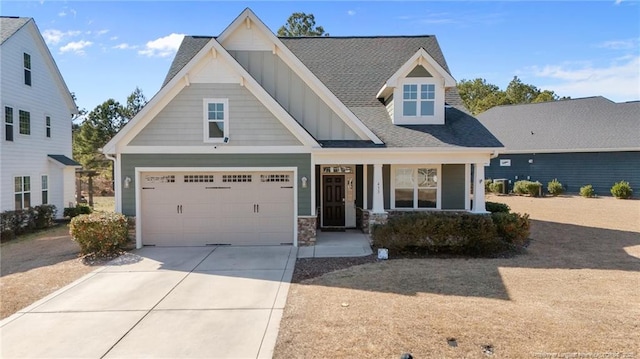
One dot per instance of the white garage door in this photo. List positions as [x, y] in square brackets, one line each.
[209, 208]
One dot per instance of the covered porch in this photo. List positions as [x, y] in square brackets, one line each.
[355, 190]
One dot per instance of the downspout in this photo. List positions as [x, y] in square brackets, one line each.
[116, 181]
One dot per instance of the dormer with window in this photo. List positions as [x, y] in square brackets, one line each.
[414, 95]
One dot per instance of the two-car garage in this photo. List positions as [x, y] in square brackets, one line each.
[194, 208]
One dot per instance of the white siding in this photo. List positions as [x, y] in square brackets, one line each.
[293, 94]
[180, 123]
[27, 154]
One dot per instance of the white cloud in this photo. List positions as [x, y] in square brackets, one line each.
[62, 13]
[113, 38]
[162, 47]
[618, 81]
[53, 36]
[125, 46]
[351, 12]
[626, 44]
[102, 32]
[77, 47]
[618, 2]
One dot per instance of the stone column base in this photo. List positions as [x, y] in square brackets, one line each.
[307, 231]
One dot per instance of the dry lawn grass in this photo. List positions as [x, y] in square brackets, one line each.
[35, 265]
[576, 292]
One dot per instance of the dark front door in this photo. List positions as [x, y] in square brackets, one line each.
[333, 201]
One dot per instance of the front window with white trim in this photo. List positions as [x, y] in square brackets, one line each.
[216, 120]
[22, 191]
[415, 187]
[45, 189]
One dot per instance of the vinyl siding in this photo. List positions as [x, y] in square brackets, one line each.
[573, 170]
[181, 122]
[27, 154]
[294, 95]
[453, 187]
[301, 161]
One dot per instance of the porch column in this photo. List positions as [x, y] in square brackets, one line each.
[478, 189]
[377, 204]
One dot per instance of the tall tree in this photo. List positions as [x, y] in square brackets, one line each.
[301, 24]
[479, 96]
[100, 125]
[135, 102]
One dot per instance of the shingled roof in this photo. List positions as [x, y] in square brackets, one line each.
[592, 123]
[9, 25]
[355, 68]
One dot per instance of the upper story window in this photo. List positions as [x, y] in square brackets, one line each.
[216, 120]
[418, 99]
[25, 122]
[8, 123]
[47, 125]
[27, 68]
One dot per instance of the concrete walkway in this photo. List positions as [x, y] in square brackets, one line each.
[350, 243]
[221, 302]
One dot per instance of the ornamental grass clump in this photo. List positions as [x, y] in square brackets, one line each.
[555, 188]
[527, 188]
[101, 234]
[587, 191]
[622, 190]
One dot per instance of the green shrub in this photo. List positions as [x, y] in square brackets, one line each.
[487, 185]
[622, 190]
[512, 227]
[497, 187]
[495, 207]
[100, 233]
[555, 188]
[14, 223]
[587, 191]
[527, 187]
[439, 233]
[45, 215]
[71, 212]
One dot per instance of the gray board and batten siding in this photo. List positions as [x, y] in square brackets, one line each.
[573, 170]
[243, 161]
[293, 94]
[453, 186]
[181, 122]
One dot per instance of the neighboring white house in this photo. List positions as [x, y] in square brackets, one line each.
[255, 139]
[35, 137]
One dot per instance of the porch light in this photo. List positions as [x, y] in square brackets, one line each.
[127, 182]
[303, 181]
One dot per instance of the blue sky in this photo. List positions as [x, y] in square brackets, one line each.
[575, 48]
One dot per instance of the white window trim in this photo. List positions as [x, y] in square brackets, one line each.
[438, 107]
[23, 191]
[25, 69]
[205, 120]
[5, 123]
[392, 191]
[48, 126]
[43, 189]
[20, 125]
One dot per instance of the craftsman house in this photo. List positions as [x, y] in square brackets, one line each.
[35, 137]
[256, 139]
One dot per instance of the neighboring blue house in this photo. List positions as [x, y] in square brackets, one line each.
[581, 141]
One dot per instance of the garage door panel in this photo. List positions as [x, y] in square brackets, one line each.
[243, 208]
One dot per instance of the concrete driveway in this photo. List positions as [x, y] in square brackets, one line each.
[180, 302]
